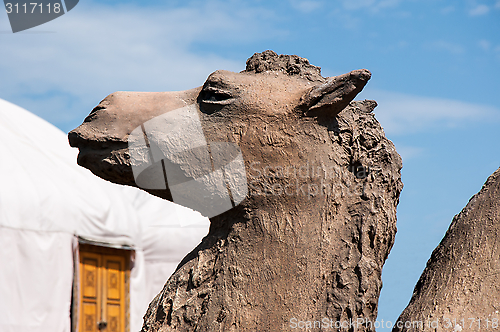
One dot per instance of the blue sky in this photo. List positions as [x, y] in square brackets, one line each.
[435, 74]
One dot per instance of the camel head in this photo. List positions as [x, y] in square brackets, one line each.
[198, 147]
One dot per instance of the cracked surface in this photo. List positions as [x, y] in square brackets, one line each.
[278, 257]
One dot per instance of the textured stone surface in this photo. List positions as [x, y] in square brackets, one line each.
[459, 288]
[310, 239]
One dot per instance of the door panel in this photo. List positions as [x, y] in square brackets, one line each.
[102, 289]
[113, 313]
[89, 321]
[114, 269]
[90, 275]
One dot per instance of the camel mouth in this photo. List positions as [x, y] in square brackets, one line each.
[110, 164]
[87, 157]
[94, 152]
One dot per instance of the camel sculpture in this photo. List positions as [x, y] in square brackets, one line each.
[459, 289]
[299, 181]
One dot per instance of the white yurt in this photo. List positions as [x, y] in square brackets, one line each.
[78, 253]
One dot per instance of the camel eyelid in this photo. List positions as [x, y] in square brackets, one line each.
[214, 95]
[216, 90]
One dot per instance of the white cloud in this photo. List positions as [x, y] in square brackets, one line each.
[371, 5]
[442, 45]
[497, 51]
[388, 3]
[306, 6]
[96, 50]
[489, 48]
[497, 4]
[350, 13]
[409, 152]
[358, 4]
[479, 10]
[402, 114]
[484, 44]
[448, 9]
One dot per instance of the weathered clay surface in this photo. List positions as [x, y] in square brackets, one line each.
[311, 237]
[459, 288]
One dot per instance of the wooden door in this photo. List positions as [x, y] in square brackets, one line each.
[103, 289]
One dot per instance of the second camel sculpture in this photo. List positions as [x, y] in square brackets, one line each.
[313, 187]
[459, 289]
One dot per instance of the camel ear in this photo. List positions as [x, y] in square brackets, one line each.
[335, 94]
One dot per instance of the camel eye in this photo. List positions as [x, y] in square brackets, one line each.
[214, 95]
[217, 97]
[213, 99]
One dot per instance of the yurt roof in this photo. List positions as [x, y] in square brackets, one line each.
[42, 189]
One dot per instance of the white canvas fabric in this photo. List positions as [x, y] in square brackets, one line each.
[170, 232]
[43, 188]
[36, 277]
[47, 201]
